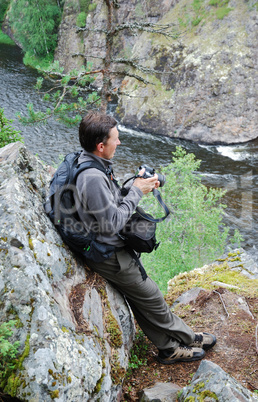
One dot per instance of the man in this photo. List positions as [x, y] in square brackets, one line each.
[102, 209]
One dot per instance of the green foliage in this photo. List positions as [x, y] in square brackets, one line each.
[3, 7]
[193, 234]
[223, 12]
[35, 25]
[65, 100]
[222, 9]
[218, 3]
[8, 350]
[85, 8]
[193, 13]
[138, 353]
[84, 5]
[37, 62]
[6, 39]
[7, 133]
[81, 20]
[198, 10]
[92, 6]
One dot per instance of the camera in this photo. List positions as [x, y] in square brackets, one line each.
[149, 172]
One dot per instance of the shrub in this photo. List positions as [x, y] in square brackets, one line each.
[92, 6]
[40, 63]
[8, 350]
[81, 20]
[194, 233]
[7, 133]
[84, 5]
[6, 39]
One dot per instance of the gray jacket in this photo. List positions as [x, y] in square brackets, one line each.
[100, 205]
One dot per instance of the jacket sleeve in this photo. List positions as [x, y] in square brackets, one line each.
[102, 202]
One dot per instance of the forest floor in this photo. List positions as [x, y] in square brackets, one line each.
[232, 318]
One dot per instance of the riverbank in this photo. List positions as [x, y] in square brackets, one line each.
[5, 39]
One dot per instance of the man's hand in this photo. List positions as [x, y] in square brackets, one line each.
[146, 185]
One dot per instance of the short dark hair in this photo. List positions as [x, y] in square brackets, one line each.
[94, 128]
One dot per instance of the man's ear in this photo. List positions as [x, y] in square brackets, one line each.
[100, 147]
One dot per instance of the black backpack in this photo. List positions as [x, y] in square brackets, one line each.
[60, 208]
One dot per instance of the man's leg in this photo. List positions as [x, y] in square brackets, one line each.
[152, 313]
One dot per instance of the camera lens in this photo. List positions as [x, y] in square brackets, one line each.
[161, 179]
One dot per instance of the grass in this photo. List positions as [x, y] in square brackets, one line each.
[37, 62]
[5, 39]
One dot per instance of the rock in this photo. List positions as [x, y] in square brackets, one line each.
[188, 296]
[160, 392]
[204, 88]
[75, 331]
[70, 49]
[211, 383]
[239, 260]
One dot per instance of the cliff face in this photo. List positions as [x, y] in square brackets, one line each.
[204, 84]
[70, 44]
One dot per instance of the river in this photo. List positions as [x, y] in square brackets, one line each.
[231, 167]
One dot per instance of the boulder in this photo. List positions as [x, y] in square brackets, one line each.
[75, 330]
[160, 392]
[211, 383]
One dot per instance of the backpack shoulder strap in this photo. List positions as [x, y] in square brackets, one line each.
[88, 165]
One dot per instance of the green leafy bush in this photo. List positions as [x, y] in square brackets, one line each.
[7, 133]
[8, 350]
[6, 39]
[37, 62]
[84, 5]
[138, 353]
[81, 20]
[92, 6]
[194, 233]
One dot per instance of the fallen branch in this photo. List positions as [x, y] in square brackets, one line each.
[222, 301]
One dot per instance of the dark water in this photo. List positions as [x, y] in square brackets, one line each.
[232, 167]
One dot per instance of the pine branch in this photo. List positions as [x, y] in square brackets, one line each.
[145, 26]
[52, 74]
[134, 63]
[136, 26]
[137, 77]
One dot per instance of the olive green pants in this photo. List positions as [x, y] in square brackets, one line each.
[152, 313]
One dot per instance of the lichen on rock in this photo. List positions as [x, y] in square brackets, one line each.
[60, 358]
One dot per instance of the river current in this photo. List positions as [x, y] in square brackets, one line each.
[231, 167]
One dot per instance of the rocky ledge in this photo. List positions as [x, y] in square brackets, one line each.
[75, 331]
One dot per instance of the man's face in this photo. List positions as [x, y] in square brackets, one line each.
[113, 141]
